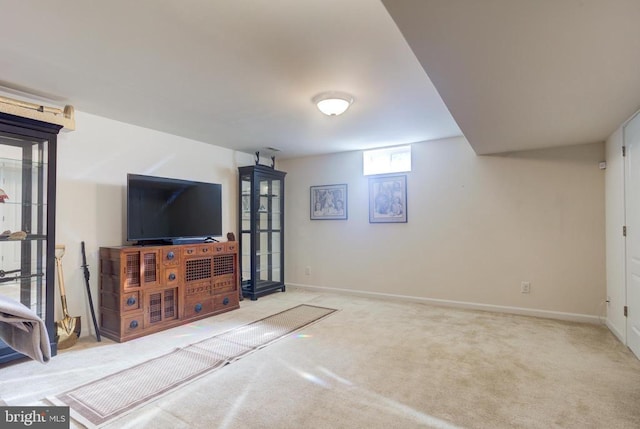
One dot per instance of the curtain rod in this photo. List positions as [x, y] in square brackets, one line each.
[52, 115]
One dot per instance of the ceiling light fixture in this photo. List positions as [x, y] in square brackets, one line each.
[333, 103]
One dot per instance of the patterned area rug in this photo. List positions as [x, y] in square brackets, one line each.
[95, 404]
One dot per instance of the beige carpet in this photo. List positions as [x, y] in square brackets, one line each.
[377, 363]
[100, 401]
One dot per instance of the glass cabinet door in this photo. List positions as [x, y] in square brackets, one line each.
[246, 204]
[27, 191]
[267, 250]
[22, 222]
[261, 228]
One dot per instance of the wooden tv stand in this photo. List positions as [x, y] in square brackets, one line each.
[146, 289]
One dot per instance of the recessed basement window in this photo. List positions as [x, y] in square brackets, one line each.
[395, 159]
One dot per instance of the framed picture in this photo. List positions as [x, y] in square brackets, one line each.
[388, 199]
[328, 202]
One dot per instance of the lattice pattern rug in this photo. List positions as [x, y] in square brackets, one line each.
[98, 402]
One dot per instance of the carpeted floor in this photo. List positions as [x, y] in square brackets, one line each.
[375, 364]
[96, 403]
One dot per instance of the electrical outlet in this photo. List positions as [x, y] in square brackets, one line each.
[307, 271]
[525, 287]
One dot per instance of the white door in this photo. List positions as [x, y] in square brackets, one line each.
[632, 219]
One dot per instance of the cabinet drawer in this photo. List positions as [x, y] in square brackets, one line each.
[130, 301]
[191, 250]
[197, 250]
[197, 306]
[232, 246]
[171, 256]
[226, 300]
[219, 248]
[170, 276]
[132, 324]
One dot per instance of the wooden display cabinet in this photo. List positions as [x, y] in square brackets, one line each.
[146, 289]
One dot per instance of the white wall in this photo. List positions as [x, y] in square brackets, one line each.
[93, 163]
[615, 246]
[478, 226]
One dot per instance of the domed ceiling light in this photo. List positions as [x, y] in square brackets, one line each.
[333, 103]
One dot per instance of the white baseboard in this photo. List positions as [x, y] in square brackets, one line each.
[616, 331]
[574, 317]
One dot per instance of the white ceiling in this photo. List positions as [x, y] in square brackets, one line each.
[238, 74]
[525, 74]
[241, 74]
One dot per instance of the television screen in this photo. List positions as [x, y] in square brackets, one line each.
[164, 209]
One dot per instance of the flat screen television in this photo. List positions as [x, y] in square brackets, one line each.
[164, 210]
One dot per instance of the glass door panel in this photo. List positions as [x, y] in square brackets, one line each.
[23, 173]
